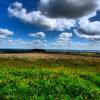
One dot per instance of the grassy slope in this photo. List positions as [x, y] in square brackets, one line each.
[49, 79]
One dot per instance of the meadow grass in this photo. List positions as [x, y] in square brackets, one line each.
[49, 79]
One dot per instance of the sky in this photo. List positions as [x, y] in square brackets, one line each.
[50, 24]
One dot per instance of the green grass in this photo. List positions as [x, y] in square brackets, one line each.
[48, 84]
[80, 63]
[46, 79]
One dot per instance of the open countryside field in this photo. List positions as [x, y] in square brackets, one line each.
[41, 76]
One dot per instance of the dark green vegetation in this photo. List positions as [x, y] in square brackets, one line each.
[21, 50]
[93, 54]
[49, 79]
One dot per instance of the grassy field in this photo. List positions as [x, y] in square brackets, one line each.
[76, 78]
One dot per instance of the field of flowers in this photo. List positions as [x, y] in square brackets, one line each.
[47, 83]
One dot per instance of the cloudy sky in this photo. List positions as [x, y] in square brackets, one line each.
[50, 24]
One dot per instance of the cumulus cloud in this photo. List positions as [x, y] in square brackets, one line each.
[39, 43]
[38, 19]
[5, 32]
[89, 30]
[9, 41]
[62, 41]
[18, 42]
[64, 37]
[17, 5]
[38, 35]
[65, 41]
[68, 8]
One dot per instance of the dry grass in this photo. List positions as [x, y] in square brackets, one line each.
[46, 56]
[29, 60]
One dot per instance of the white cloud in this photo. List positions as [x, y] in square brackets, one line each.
[18, 42]
[62, 41]
[64, 37]
[9, 41]
[5, 33]
[88, 30]
[37, 18]
[15, 42]
[17, 5]
[38, 35]
[39, 43]
[65, 41]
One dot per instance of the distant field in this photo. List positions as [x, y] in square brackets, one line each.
[34, 55]
[39, 76]
[29, 60]
[51, 55]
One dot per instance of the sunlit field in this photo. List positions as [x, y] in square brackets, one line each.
[49, 79]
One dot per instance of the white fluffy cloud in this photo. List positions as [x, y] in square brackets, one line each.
[17, 41]
[62, 41]
[17, 5]
[37, 18]
[64, 37]
[39, 43]
[88, 30]
[5, 32]
[38, 35]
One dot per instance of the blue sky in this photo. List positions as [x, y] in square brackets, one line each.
[33, 24]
